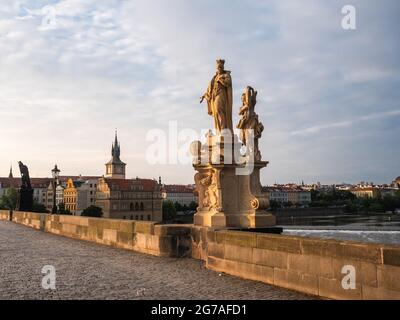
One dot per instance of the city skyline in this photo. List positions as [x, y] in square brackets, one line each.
[328, 101]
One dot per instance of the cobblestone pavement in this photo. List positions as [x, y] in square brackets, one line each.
[86, 270]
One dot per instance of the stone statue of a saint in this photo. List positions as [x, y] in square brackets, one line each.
[219, 98]
[250, 127]
[25, 180]
[25, 199]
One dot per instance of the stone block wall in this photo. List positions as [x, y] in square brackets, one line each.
[30, 219]
[198, 239]
[313, 266]
[4, 215]
[142, 236]
[308, 265]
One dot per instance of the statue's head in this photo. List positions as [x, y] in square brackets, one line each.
[243, 97]
[220, 65]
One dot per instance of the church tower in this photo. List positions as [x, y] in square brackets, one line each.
[10, 174]
[115, 168]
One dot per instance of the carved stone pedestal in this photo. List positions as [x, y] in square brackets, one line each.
[226, 197]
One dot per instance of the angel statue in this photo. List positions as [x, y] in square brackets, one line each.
[250, 128]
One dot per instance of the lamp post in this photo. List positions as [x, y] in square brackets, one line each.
[55, 173]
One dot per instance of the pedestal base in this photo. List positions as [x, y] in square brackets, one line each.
[229, 192]
[220, 220]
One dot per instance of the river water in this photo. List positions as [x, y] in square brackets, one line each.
[379, 228]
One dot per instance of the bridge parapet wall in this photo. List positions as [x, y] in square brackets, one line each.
[30, 219]
[4, 215]
[309, 265]
[142, 236]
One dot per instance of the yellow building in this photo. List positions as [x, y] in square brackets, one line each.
[70, 197]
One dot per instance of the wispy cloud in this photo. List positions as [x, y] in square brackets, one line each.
[135, 65]
[346, 123]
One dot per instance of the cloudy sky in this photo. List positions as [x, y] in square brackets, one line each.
[72, 71]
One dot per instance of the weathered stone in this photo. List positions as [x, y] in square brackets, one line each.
[211, 236]
[321, 247]
[321, 266]
[270, 258]
[216, 250]
[4, 215]
[391, 256]
[241, 238]
[172, 229]
[278, 242]
[372, 293]
[220, 236]
[242, 269]
[295, 280]
[333, 289]
[238, 253]
[362, 251]
[144, 227]
[124, 237]
[366, 272]
[389, 277]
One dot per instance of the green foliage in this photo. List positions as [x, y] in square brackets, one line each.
[331, 198]
[92, 211]
[273, 204]
[168, 210]
[193, 206]
[39, 207]
[62, 210]
[178, 206]
[352, 204]
[9, 200]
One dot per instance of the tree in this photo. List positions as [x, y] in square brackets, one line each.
[168, 210]
[92, 211]
[9, 199]
[39, 207]
[193, 206]
[62, 210]
[273, 204]
[178, 206]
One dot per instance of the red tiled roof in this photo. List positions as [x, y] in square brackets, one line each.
[41, 182]
[179, 188]
[128, 184]
[16, 182]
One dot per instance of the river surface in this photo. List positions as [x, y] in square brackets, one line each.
[379, 228]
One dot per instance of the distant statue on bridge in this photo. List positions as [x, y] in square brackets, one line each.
[25, 199]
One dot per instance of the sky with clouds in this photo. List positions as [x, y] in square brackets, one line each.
[72, 71]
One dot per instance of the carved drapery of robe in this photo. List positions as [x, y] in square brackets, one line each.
[219, 101]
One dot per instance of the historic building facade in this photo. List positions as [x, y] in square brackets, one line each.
[80, 194]
[121, 198]
[134, 199]
[183, 194]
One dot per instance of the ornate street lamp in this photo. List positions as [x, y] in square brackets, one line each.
[55, 173]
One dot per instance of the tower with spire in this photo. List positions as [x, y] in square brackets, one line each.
[10, 174]
[115, 168]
